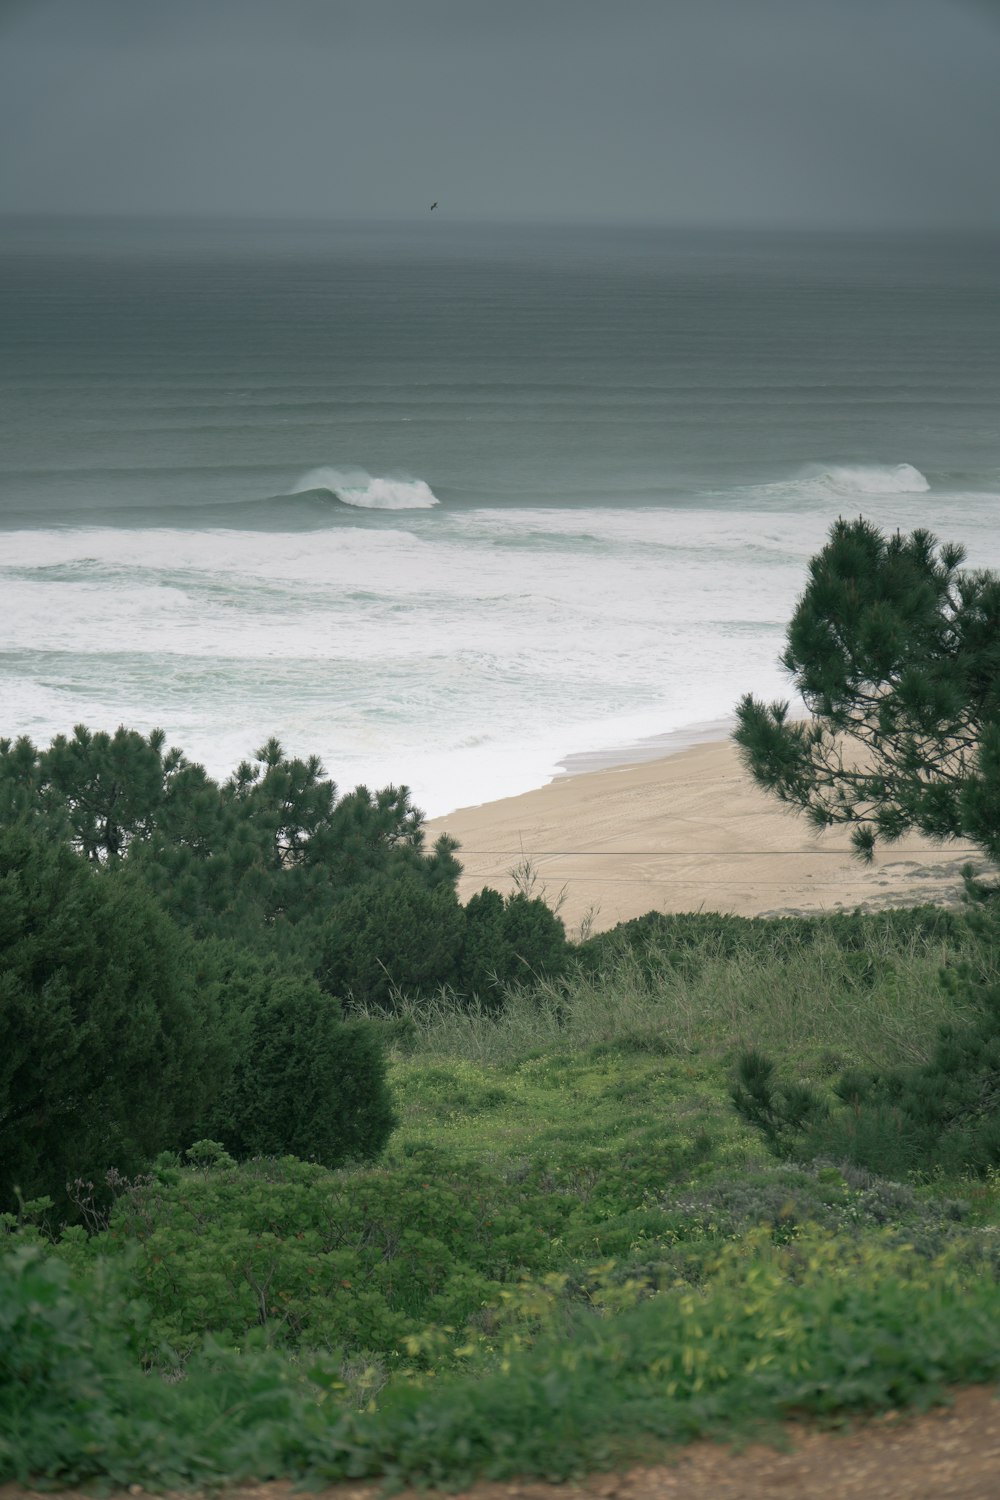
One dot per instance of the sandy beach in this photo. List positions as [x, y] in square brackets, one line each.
[685, 832]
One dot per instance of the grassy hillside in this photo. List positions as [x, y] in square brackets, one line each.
[573, 1251]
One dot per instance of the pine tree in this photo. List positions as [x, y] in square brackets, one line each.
[262, 858]
[895, 651]
[102, 790]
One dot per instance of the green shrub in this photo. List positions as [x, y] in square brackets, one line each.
[390, 937]
[485, 957]
[813, 1327]
[63, 1361]
[356, 1262]
[516, 940]
[106, 1058]
[816, 1328]
[76, 1405]
[789, 1197]
[943, 1114]
[667, 943]
[303, 1081]
[536, 938]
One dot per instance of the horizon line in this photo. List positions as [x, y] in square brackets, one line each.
[420, 218]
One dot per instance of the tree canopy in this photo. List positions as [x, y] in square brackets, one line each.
[340, 888]
[895, 651]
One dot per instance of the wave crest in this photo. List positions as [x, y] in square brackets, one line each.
[820, 484]
[367, 491]
[870, 479]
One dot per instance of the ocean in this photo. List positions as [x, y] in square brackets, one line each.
[456, 506]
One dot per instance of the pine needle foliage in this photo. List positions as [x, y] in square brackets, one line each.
[895, 650]
[260, 858]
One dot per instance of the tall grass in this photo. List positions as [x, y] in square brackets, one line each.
[882, 1006]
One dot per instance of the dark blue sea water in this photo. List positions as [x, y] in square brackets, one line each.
[446, 504]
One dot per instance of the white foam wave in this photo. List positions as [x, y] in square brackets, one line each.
[468, 668]
[868, 479]
[823, 484]
[367, 491]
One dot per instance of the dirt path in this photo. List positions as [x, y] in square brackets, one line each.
[951, 1453]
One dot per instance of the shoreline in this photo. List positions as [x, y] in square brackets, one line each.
[685, 830]
[651, 747]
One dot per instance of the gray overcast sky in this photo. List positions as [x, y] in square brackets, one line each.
[744, 112]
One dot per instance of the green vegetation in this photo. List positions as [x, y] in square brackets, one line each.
[182, 959]
[830, 987]
[105, 1057]
[571, 1251]
[262, 859]
[311, 1173]
[300, 1078]
[896, 653]
[814, 1328]
[942, 1114]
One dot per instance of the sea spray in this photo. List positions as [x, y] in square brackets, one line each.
[367, 491]
[822, 485]
[869, 479]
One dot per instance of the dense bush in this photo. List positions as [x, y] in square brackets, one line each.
[358, 1262]
[106, 1058]
[684, 942]
[398, 938]
[508, 941]
[122, 1038]
[815, 1327]
[75, 1403]
[944, 1114]
[65, 1355]
[787, 1198]
[301, 1080]
[390, 937]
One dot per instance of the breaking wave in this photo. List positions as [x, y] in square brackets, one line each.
[820, 484]
[866, 479]
[369, 492]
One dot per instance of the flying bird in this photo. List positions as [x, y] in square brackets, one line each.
[433, 206]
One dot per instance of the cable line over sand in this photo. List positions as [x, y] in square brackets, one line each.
[694, 833]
